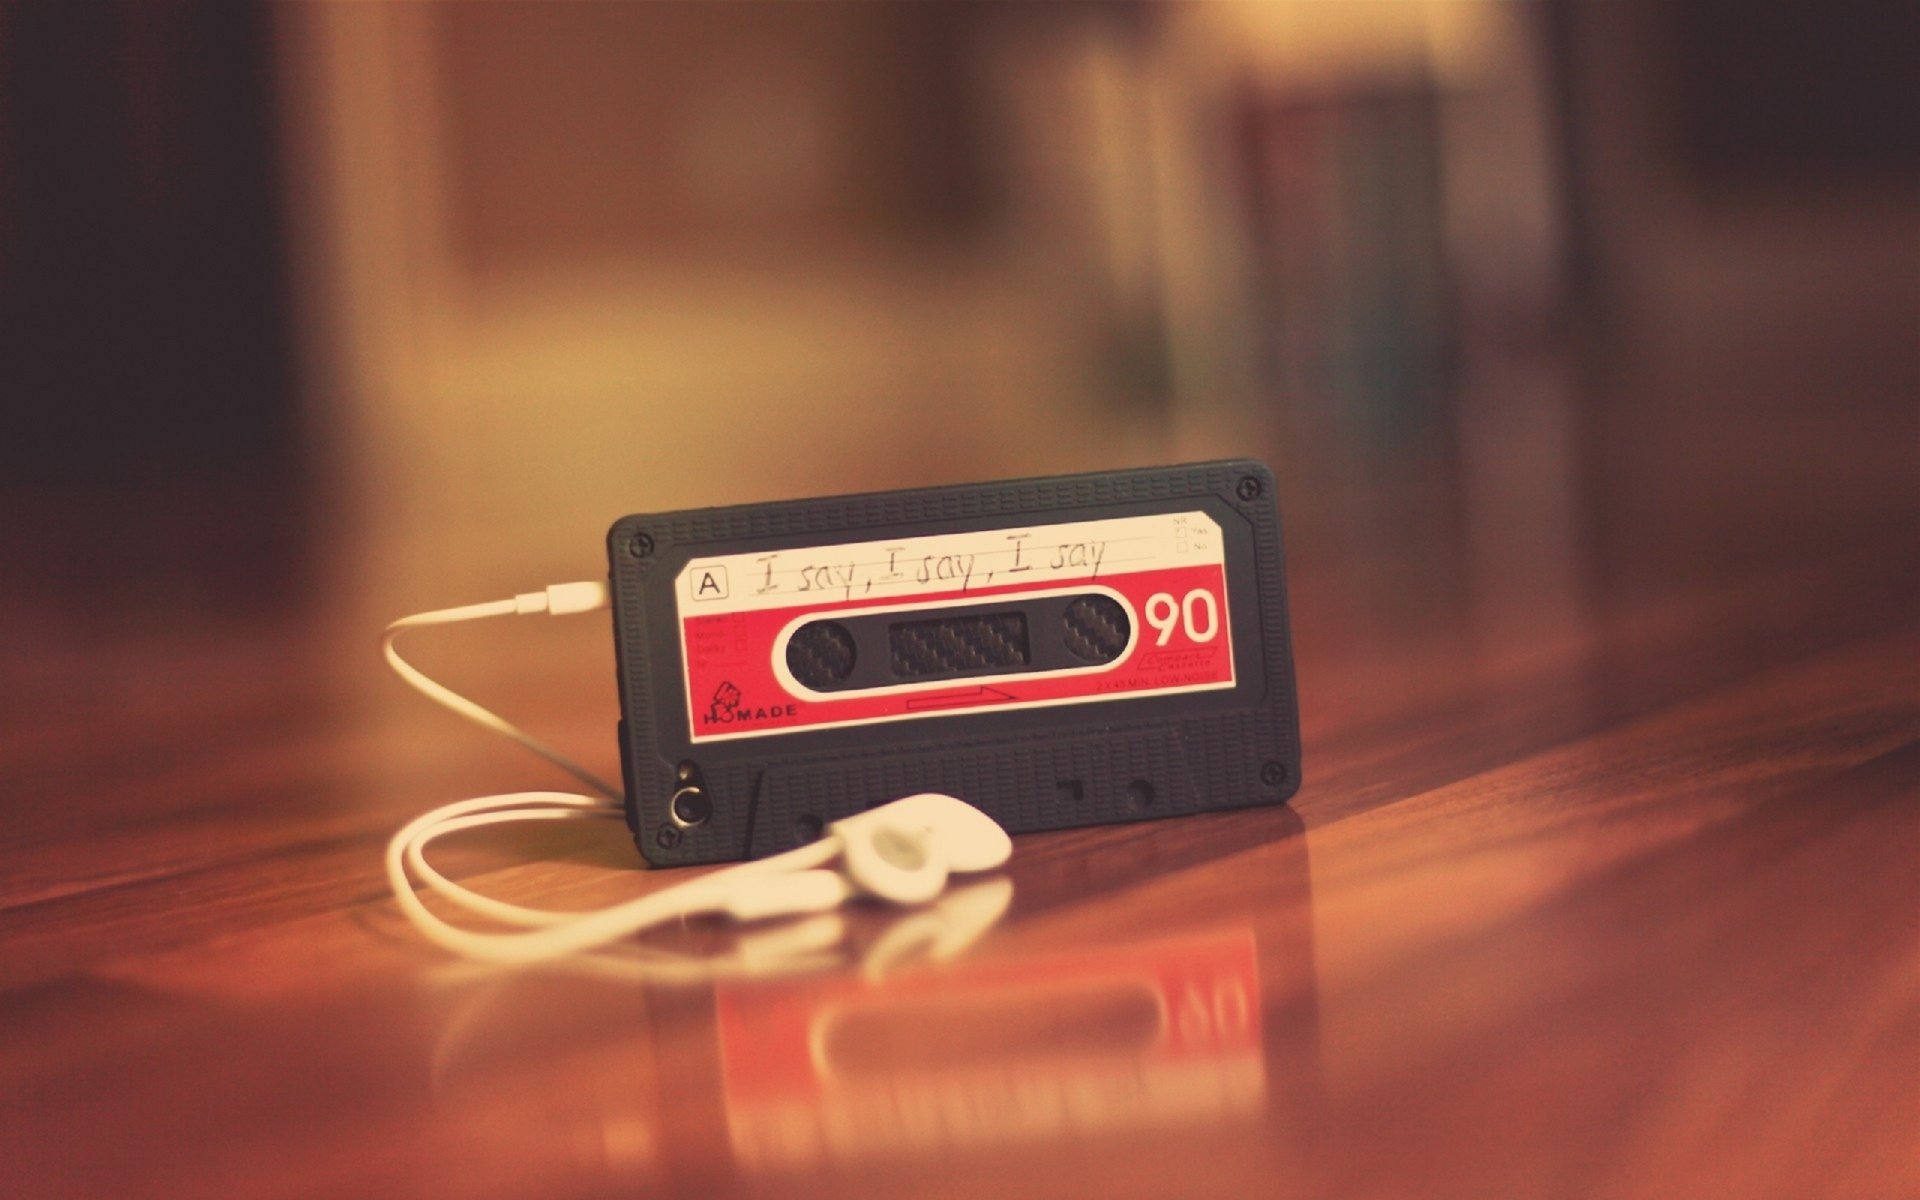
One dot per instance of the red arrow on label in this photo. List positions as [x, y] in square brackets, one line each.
[979, 695]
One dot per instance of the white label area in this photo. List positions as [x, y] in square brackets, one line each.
[737, 612]
[948, 564]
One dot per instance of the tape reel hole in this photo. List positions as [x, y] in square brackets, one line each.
[1095, 628]
[821, 655]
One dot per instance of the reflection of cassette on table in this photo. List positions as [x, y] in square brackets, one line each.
[994, 1054]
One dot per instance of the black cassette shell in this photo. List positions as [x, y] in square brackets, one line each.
[1068, 764]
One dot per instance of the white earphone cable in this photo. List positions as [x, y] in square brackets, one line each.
[551, 934]
[546, 934]
[494, 810]
[406, 850]
[561, 599]
[789, 884]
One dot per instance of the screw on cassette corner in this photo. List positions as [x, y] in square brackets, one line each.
[640, 545]
[1249, 487]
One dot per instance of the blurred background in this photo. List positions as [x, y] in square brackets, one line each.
[1583, 337]
[352, 309]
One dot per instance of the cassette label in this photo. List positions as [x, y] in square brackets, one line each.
[869, 632]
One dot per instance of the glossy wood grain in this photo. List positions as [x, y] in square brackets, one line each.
[1613, 898]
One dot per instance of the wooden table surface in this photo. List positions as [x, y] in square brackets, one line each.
[1611, 892]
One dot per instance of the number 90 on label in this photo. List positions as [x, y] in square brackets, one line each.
[1195, 615]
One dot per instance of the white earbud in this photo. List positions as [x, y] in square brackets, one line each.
[900, 852]
[969, 839]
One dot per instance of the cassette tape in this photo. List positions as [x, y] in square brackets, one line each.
[1057, 652]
